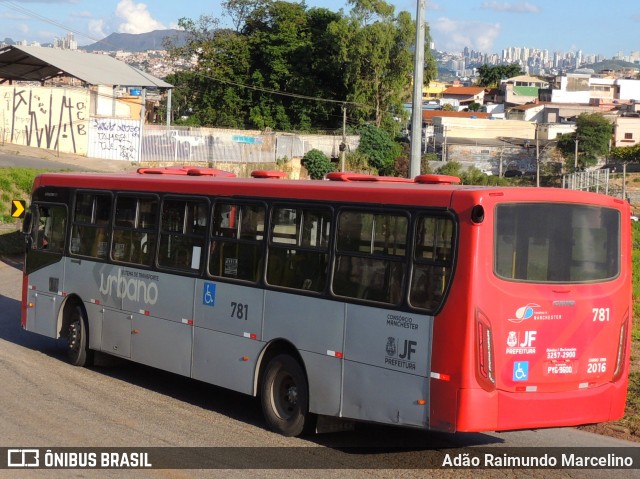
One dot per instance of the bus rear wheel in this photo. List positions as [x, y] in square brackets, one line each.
[285, 396]
[78, 347]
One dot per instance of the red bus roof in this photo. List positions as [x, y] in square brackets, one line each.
[185, 170]
[371, 192]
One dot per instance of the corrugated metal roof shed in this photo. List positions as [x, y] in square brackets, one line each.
[20, 63]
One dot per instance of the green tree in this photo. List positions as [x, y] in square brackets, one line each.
[211, 89]
[471, 176]
[474, 106]
[593, 132]
[380, 148]
[491, 75]
[317, 164]
[279, 58]
[376, 49]
[452, 168]
[626, 154]
[358, 162]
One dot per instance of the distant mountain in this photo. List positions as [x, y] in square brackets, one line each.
[141, 42]
[615, 65]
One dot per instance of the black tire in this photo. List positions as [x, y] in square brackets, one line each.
[78, 350]
[285, 396]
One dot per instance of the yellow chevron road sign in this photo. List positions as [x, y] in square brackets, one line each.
[17, 208]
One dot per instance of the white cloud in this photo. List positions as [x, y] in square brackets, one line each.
[96, 28]
[453, 35]
[136, 18]
[522, 7]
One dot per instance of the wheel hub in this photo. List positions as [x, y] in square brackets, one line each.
[292, 395]
[73, 336]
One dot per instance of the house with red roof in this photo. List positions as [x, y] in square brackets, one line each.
[464, 95]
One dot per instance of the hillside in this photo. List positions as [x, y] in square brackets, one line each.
[136, 42]
[615, 65]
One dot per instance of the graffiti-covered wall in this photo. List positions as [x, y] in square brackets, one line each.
[43, 117]
[114, 139]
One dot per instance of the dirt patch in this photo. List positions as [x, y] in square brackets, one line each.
[611, 430]
[627, 428]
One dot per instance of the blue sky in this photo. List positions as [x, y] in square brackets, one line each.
[595, 27]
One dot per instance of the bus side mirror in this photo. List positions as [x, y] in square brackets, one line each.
[27, 223]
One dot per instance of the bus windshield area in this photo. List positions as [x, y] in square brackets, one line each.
[556, 243]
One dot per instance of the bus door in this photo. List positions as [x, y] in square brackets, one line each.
[387, 351]
[44, 266]
[298, 264]
[387, 366]
[227, 332]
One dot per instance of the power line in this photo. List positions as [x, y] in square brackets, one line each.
[36, 15]
[42, 18]
[281, 93]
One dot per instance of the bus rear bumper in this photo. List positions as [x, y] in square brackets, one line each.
[479, 410]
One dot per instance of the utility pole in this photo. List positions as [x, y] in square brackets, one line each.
[575, 161]
[537, 157]
[416, 110]
[168, 108]
[343, 145]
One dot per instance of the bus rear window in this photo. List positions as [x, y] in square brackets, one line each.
[556, 243]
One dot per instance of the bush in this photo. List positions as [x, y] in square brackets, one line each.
[380, 148]
[357, 162]
[317, 164]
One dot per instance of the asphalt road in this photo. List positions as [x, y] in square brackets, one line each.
[26, 157]
[48, 403]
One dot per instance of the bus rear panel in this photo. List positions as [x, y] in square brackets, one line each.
[549, 303]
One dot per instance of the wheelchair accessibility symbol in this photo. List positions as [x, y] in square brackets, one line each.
[209, 294]
[521, 371]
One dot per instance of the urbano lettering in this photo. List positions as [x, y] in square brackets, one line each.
[130, 288]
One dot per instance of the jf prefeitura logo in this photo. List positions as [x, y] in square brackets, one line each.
[399, 353]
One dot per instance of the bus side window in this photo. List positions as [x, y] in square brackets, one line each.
[299, 248]
[182, 230]
[134, 232]
[51, 228]
[370, 261]
[432, 262]
[90, 229]
[236, 249]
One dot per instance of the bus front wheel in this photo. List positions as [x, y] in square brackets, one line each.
[285, 396]
[78, 348]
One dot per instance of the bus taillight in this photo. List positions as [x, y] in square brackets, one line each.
[622, 349]
[485, 357]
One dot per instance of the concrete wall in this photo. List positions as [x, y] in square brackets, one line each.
[629, 89]
[94, 123]
[489, 158]
[626, 126]
[482, 129]
[49, 118]
[114, 139]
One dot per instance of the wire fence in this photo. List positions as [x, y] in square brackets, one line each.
[200, 145]
[207, 145]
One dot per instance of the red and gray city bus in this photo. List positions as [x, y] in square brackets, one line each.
[420, 303]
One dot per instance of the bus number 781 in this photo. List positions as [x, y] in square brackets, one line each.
[239, 310]
[600, 314]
